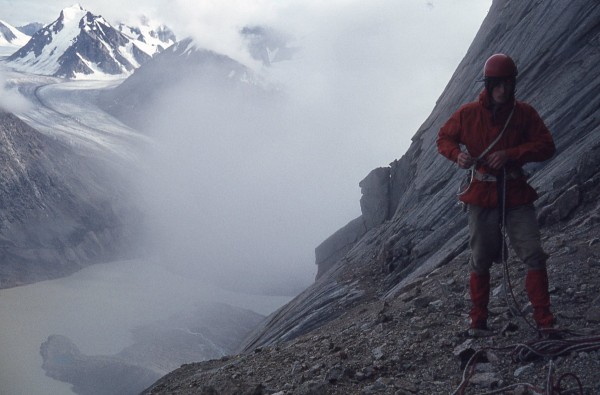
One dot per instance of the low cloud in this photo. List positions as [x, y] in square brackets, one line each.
[244, 188]
[10, 98]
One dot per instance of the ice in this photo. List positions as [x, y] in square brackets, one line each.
[65, 110]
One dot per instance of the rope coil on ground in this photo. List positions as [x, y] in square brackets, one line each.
[551, 344]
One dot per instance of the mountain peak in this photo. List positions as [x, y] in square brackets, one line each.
[80, 44]
[74, 12]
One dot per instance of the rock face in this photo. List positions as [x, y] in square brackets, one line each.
[59, 210]
[375, 200]
[414, 261]
[375, 208]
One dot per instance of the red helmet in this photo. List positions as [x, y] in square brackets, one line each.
[500, 65]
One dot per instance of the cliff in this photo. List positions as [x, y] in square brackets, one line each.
[390, 299]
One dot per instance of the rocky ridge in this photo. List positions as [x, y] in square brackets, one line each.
[388, 307]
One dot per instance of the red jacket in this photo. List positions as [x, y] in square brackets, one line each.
[526, 139]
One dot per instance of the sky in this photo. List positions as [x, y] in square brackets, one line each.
[366, 76]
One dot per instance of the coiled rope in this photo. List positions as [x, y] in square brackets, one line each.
[551, 343]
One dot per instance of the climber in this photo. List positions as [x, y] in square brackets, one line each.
[499, 135]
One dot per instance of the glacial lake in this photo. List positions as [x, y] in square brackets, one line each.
[97, 308]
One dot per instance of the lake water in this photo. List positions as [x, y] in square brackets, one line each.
[96, 308]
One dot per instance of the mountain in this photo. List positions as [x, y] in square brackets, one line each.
[60, 210]
[11, 38]
[80, 44]
[389, 307]
[158, 37]
[193, 65]
[30, 28]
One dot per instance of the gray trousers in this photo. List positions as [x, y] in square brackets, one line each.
[485, 237]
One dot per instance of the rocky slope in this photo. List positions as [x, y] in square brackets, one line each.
[414, 343]
[385, 313]
[59, 210]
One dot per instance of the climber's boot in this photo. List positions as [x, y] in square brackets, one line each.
[536, 284]
[479, 286]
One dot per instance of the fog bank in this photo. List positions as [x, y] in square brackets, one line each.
[243, 186]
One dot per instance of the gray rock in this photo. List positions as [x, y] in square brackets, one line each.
[461, 348]
[378, 353]
[522, 369]
[313, 387]
[375, 200]
[593, 313]
[337, 245]
[485, 380]
[334, 374]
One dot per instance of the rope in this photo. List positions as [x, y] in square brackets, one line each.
[544, 348]
[532, 350]
[514, 308]
[489, 147]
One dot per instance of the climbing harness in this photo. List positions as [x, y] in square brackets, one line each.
[471, 171]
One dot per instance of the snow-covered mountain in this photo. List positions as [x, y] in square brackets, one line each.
[157, 36]
[81, 45]
[11, 39]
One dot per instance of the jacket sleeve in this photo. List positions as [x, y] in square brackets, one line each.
[539, 145]
[448, 140]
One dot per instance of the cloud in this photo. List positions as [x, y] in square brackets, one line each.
[244, 188]
[10, 98]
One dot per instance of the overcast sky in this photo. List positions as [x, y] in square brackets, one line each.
[367, 76]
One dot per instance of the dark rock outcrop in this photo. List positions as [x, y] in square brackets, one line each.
[375, 200]
[375, 208]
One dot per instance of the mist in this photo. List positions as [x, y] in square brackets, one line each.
[242, 186]
[10, 98]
